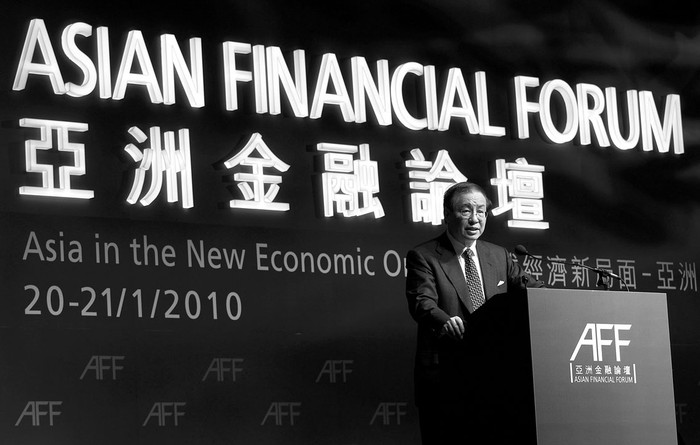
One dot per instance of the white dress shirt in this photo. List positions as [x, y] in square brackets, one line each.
[461, 250]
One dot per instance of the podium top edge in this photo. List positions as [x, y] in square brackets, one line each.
[550, 290]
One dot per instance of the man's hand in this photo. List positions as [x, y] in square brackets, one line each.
[454, 328]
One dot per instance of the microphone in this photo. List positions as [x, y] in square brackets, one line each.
[602, 273]
[521, 250]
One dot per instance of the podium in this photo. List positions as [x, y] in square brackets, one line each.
[601, 367]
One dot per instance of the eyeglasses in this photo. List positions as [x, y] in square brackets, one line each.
[467, 213]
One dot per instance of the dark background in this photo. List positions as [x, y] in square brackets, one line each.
[601, 203]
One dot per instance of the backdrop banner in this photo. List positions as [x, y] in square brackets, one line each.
[205, 208]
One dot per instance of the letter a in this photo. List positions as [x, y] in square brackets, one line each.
[590, 327]
[37, 34]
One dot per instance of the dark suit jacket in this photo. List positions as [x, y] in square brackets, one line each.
[436, 291]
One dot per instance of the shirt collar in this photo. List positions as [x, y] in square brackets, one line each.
[458, 246]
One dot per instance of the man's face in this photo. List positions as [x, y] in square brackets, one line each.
[466, 220]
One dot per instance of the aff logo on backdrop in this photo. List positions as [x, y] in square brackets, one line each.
[282, 413]
[598, 356]
[40, 412]
[103, 367]
[336, 371]
[223, 368]
[166, 414]
[389, 413]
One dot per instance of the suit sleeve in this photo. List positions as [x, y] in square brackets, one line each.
[518, 277]
[422, 293]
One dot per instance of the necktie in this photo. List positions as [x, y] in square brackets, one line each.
[476, 292]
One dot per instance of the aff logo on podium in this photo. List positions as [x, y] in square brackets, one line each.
[598, 356]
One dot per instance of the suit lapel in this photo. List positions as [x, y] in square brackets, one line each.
[488, 269]
[453, 271]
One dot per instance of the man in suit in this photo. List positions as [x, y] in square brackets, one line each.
[448, 289]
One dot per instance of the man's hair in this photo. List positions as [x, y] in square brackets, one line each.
[460, 188]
